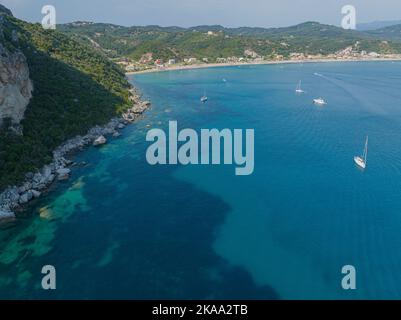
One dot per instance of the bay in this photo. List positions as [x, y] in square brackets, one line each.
[120, 228]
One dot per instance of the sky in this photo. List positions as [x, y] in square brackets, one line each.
[186, 13]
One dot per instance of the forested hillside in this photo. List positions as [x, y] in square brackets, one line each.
[75, 88]
[215, 42]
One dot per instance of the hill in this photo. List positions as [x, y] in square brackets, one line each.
[75, 88]
[376, 25]
[216, 41]
[392, 33]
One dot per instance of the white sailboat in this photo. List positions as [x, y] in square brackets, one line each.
[319, 101]
[362, 160]
[298, 89]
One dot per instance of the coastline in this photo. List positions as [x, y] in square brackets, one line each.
[15, 198]
[265, 62]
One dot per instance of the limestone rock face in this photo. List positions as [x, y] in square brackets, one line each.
[15, 85]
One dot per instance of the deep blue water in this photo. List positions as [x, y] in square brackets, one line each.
[121, 228]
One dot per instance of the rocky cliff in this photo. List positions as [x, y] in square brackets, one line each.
[75, 89]
[15, 85]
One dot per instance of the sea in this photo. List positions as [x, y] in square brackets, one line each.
[121, 228]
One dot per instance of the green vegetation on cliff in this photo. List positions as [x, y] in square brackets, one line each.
[75, 88]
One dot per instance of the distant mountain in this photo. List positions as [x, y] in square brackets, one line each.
[376, 25]
[392, 33]
[306, 29]
[216, 41]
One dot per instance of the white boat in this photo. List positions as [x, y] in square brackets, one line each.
[319, 101]
[362, 160]
[298, 89]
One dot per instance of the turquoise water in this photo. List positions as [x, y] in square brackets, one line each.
[121, 228]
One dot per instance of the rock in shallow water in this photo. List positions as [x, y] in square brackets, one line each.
[99, 141]
[5, 214]
[63, 174]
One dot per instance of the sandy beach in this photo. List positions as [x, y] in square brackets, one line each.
[230, 64]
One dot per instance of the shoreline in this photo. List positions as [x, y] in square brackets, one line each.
[16, 198]
[267, 62]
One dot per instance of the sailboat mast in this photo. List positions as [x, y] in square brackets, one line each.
[365, 153]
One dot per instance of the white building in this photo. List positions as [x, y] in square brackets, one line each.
[374, 54]
[190, 60]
